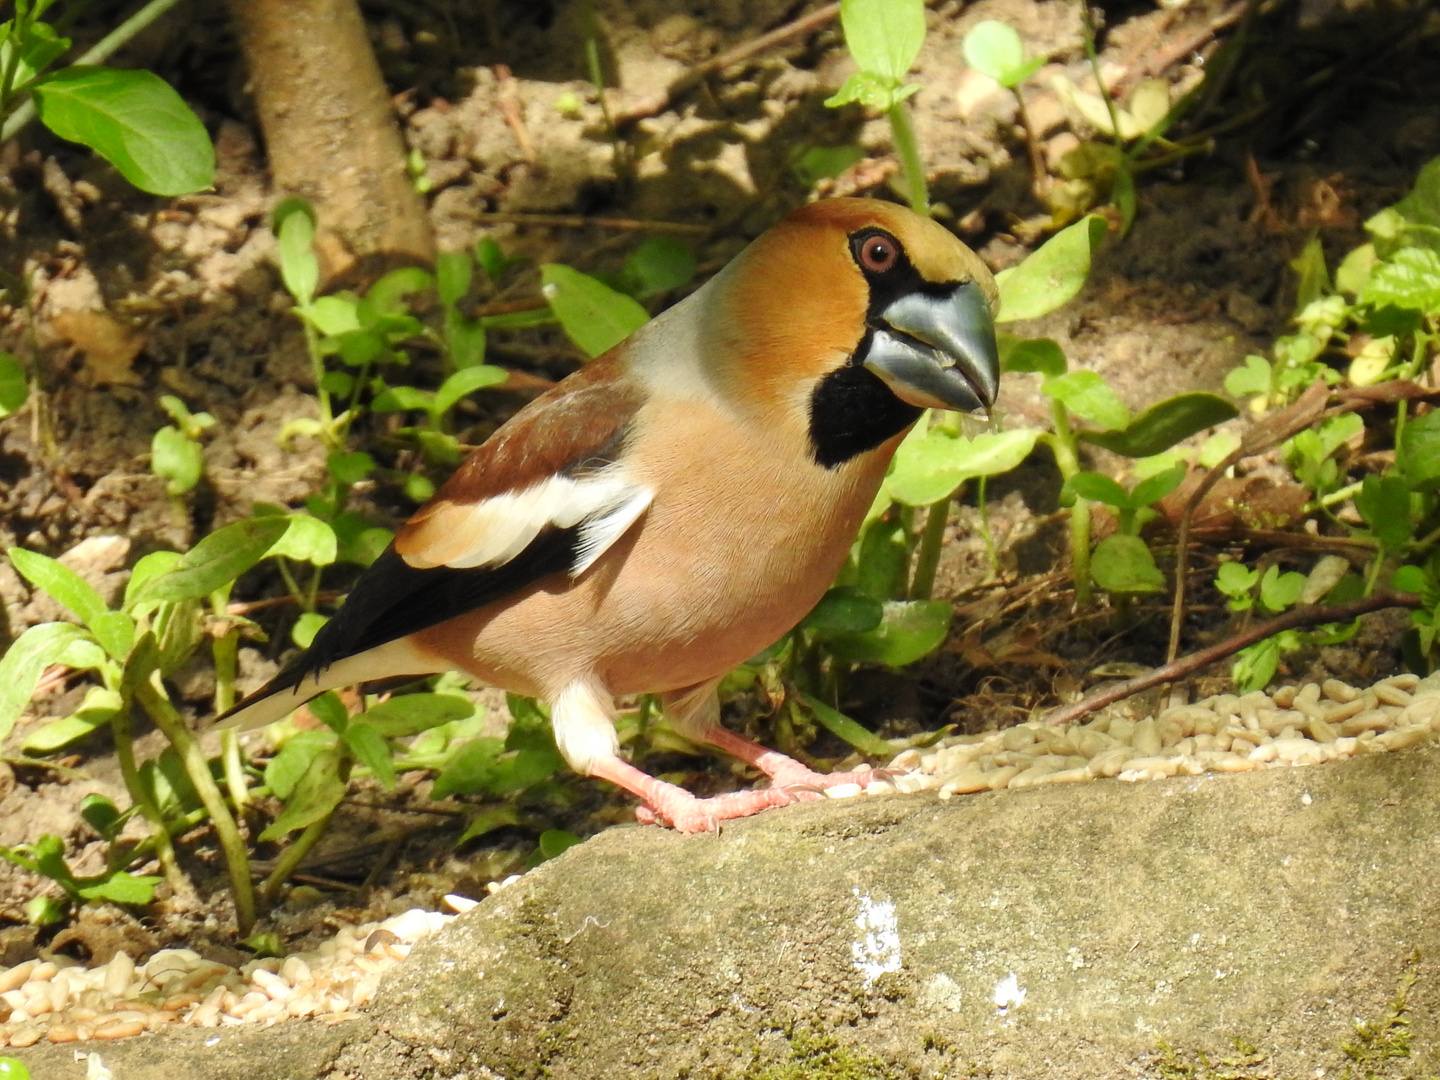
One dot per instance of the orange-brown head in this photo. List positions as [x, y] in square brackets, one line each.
[849, 316]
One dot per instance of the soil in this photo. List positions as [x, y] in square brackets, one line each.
[115, 298]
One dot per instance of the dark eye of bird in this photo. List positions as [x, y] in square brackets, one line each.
[876, 253]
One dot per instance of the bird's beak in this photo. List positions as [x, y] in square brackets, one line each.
[938, 352]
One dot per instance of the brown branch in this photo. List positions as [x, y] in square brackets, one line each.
[658, 103]
[1303, 615]
[1309, 409]
[578, 221]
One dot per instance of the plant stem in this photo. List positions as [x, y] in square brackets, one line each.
[927, 555]
[985, 533]
[1067, 460]
[908, 150]
[159, 834]
[169, 721]
[291, 856]
[102, 50]
[234, 768]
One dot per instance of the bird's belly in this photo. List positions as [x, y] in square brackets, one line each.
[682, 599]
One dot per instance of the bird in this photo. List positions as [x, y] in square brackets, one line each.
[680, 502]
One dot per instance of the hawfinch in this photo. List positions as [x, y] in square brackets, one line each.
[679, 503]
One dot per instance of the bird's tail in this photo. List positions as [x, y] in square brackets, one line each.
[296, 684]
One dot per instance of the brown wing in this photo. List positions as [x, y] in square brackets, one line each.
[549, 483]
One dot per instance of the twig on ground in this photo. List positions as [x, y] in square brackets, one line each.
[580, 221]
[1304, 615]
[659, 102]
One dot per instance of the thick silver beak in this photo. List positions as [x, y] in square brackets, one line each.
[938, 353]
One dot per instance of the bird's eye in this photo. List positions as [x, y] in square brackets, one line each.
[876, 254]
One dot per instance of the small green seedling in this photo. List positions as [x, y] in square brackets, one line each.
[884, 37]
[14, 384]
[176, 453]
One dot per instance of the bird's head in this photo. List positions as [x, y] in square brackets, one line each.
[853, 316]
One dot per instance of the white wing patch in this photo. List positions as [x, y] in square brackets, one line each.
[491, 533]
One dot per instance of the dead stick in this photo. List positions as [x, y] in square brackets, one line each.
[658, 103]
[578, 221]
[1304, 615]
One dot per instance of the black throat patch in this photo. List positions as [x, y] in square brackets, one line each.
[852, 410]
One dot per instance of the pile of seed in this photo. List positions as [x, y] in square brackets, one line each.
[59, 1000]
[1225, 733]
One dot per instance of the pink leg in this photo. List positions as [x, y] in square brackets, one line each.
[784, 772]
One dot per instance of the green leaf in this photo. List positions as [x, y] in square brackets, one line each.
[370, 747]
[98, 709]
[294, 223]
[215, 561]
[453, 272]
[490, 819]
[1409, 279]
[595, 316]
[100, 813]
[824, 162]
[25, 661]
[306, 627]
[120, 887]
[414, 713]
[286, 768]
[658, 265]
[351, 467]
[1235, 579]
[1411, 579]
[1089, 397]
[932, 463]
[306, 539]
[1053, 275]
[844, 610]
[391, 294]
[115, 632]
[1164, 424]
[995, 49]
[149, 568]
[1096, 488]
[330, 711]
[874, 91]
[1279, 591]
[464, 383]
[1420, 451]
[135, 121]
[884, 36]
[176, 459]
[882, 559]
[40, 47]
[1154, 488]
[339, 315]
[14, 384]
[464, 340]
[841, 726]
[1036, 354]
[471, 768]
[1255, 665]
[1384, 503]
[553, 842]
[403, 399]
[1253, 378]
[62, 583]
[316, 794]
[908, 630]
[13, 1068]
[1123, 564]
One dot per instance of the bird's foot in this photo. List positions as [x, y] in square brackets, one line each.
[688, 813]
[805, 783]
